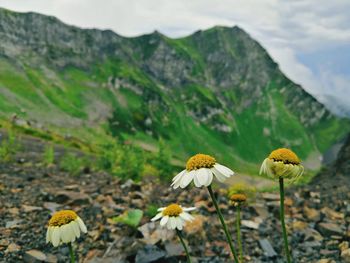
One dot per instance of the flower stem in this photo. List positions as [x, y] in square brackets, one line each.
[284, 231]
[228, 236]
[71, 252]
[239, 238]
[184, 245]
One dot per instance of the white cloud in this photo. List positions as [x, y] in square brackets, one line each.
[288, 29]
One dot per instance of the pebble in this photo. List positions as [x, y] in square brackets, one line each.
[299, 225]
[34, 255]
[267, 248]
[29, 208]
[345, 255]
[311, 214]
[13, 248]
[250, 224]
[328, 229]
[149, 253]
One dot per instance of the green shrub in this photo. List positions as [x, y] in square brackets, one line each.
[8, 147]
[49, 155]
[161, 161]
[73, 164]
[122, 160]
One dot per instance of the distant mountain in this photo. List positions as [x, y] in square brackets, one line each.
[215, 91]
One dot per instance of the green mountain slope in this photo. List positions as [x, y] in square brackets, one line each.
[216, 91]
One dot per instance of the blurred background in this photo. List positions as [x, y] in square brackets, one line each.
[128, 90]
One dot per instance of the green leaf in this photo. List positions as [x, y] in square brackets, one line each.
[131, 218]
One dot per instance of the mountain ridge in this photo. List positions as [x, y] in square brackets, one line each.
[218, 85]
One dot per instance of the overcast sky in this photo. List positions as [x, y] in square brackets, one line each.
[309, 39]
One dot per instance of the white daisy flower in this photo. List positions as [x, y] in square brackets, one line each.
[64, 227]
[282, 163]
[201, 169]
[174, 216]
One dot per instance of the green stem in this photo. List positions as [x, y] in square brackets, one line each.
[228, 236]
[184, 245]
[71, 252]
[284, 231]
[239, 238]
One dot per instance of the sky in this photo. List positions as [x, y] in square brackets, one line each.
[309, 39]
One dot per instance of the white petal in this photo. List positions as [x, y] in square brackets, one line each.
[186, 179]
[164, 220]
[49, 234]
[76, 229]
[210, 178]
[65, 233]
[173, 222]
[56, 236]
[263, 168]
[159, 215]
[179, 223]
[176, 184]
[81, 225]
[218, 175]
[177, 180]
[161, 209]
[179, 175]
[202, 175]
[196, 181]
[186, 216]
[224, 170]
[188, 209]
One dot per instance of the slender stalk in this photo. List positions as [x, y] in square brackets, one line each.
[284, 231]
[228, 236]
[71, 253]
[184, 245]
[239, 238]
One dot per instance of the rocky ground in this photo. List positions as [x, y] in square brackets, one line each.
[318, 218]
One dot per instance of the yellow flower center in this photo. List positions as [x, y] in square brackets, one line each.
[172, 210]
[238, 198]
[200, 161]
[284, 155]
[62, 218]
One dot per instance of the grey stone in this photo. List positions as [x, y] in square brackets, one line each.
[267, 248]
[328, 229]
[149, 253]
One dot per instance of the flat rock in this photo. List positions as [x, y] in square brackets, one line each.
[149, 253]
[331, 214]
[34, 255]
[327, 229]
[250, 224]
[174, 249]
[29, 208]
[311, 214]
[299, 225]
[13, 248]
[270, 196]
[345, 255]
[71, 197]
[267, 248]
[13, 223]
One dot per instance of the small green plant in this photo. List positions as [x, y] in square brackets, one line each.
[131, 218]
[122, 160]
[49, 155]
[8, 147]
[151, 210]
[162, 161]
[71, 163]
